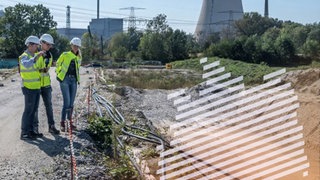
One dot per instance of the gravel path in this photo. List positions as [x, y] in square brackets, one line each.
[45, 158]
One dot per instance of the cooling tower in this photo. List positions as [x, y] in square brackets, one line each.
[217, 15]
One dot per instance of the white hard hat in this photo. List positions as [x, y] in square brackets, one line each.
[32, 39]
[47, 38]
[76, 41]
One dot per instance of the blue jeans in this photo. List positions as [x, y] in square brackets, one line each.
[46, 94]
[69, 89]
[31, 104]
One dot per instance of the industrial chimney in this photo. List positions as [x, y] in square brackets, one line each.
[98, 9]
[68, 18]
[217, 15]
[266, 8]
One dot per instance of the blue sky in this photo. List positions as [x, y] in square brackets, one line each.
[180, 14]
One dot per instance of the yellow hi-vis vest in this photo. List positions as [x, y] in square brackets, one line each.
[30, 76]
[63, 64]
[44, 71]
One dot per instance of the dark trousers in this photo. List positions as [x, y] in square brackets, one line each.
[31, 104]
[46, 94]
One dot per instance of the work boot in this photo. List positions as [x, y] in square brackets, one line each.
[62, 126]
[53, 130]
[36, 134]
[27, 136]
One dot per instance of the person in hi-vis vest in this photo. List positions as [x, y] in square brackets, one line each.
[29, 72]
[67, 69]
[44, 63]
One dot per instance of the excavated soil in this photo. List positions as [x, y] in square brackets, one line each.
[48, 158]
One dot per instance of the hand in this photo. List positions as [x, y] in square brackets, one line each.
[38, 55]
[41, 53]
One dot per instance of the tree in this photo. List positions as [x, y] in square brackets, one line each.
[193, 47]
[312, 48]
[155, 43]
[299, 36]
[158, 24]
[21, 21]
[133, 39]
[118, 46]
[314, 34]
[237, 49]
[253, 50]
[253, 23]
[268, 45]
[179, 45]
[285, 49]
[154, 47]
[90, 47]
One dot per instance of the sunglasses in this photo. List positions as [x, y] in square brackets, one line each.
[33, 44]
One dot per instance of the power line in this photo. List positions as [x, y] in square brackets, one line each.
[132, 18]
[79, 15]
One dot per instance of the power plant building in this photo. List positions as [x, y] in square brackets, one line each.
[217, 16]
[106, 27]
[103, 27]
[71, 32]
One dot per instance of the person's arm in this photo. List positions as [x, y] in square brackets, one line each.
[28, 62]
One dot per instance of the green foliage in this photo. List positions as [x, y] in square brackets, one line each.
[285, 49]
[254, 24]
[105, 133]
[314, 34]
[268, 40]
[253, 50]
[158, 24]
[118, 46]
[311, 48]
[253, 73]
[149, 153]
[21, 21]
[120, 169]
[179, 45]
[133, 39]
[192, 46]
[154, 47]
[101, 130]
[149, 79]
[161, 43]
[90, 47]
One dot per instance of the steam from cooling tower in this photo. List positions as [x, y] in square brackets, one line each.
[216, 16]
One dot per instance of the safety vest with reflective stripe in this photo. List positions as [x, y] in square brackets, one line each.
[44, 71]
[30, 76]
[63, 64]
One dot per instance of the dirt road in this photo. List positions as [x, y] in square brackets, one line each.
[28, 159]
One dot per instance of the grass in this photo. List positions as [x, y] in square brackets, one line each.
[188, 73]
[253, 73]
[155, 79]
